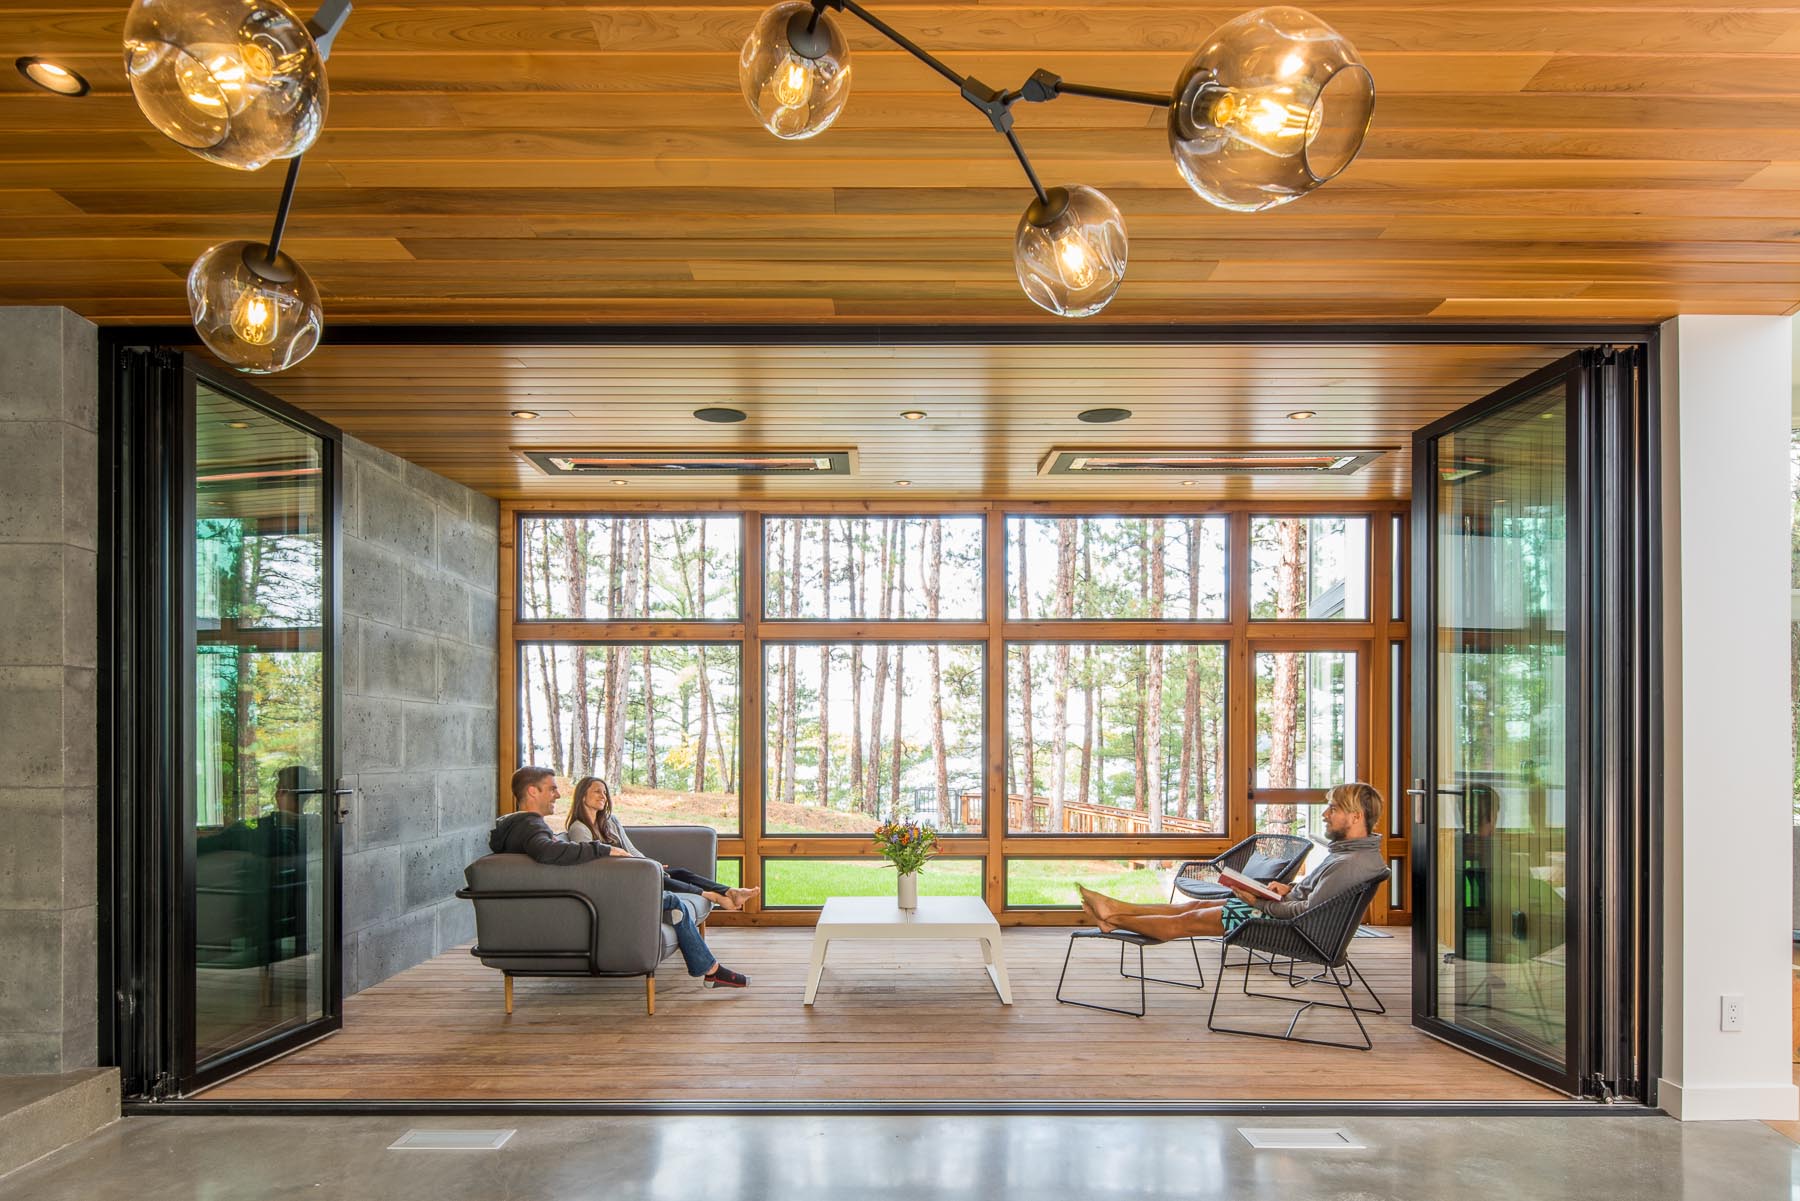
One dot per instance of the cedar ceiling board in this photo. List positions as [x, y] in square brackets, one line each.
[995, 411]
[1587, 161]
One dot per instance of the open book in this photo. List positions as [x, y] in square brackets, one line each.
[1253, 887]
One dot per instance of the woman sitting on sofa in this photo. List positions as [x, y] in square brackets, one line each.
[591, 820]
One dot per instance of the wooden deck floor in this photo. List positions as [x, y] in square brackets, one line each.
[893, 1021]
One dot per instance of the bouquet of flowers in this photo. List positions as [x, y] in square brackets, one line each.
[907, 845]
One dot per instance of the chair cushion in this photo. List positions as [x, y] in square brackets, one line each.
[1204, 890]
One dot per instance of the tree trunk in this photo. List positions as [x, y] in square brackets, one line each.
[775, 698]
[791, 680]
[1187, 803]
[1154, 728]
[547, 665]
[1285, 687]
[872, 801]
[1064, 609]
[899, 672]
[825, 674]
[1087, 680]
[1141, 794]
[624, 603]
[575, 553]
[1028, 776]
[649, 685]
[858, 568]
[940, 762]
[694, 613]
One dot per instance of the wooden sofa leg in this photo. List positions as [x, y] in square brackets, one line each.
[509, 994]
[650, 995]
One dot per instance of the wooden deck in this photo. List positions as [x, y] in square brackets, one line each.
[893, 1021]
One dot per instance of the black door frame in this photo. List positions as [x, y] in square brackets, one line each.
[1612, 692]
[147, 851]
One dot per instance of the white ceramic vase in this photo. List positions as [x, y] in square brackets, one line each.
[909, 890]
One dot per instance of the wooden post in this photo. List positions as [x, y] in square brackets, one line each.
[650, 995]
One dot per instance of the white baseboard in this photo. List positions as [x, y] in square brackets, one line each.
[1729, 1103]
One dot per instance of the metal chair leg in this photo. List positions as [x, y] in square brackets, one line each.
[1304, 1006]
[1199, 971]
[1143, 1005]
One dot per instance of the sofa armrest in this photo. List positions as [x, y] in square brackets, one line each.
[625, 895]
[693, 847]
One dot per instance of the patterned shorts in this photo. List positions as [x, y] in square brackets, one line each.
[1235, 914]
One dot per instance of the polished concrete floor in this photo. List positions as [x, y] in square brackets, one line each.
[913, 1158]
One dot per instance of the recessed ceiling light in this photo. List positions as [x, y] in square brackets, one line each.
[525, 414]
[1546, 416]
[237, 425]
[51, 77]
[1187, 483]
[902, 483]
[1302, 415]
[1103, 416]
[913, 414]
[720, 416]
[620, 483]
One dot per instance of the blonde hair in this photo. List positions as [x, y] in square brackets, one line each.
[1357, 795]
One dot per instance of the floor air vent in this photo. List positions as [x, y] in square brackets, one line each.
[1206, 462]
[687, 463]
[1299, 1138]
[451, 1140]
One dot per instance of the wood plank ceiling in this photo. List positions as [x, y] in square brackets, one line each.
[993, 411]
[514, 161]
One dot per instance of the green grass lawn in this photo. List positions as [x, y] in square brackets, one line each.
[807, 882]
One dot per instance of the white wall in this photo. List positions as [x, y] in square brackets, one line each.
[1727, 831]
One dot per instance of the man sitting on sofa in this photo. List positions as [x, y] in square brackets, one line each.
[527, 833]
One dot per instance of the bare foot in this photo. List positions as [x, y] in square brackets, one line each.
[1095, 903]
[719, 901]
[740, 897]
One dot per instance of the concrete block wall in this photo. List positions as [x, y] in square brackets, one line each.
[49, 531]
[420, 742]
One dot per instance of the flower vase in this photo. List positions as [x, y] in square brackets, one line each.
[909, 891]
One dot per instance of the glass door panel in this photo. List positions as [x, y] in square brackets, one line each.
[1500, 723]
[261, 826]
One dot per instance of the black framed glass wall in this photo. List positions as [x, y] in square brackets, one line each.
[225, 836]
[1061, 692]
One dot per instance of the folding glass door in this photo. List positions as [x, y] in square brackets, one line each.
[244, 810]
[1527, 813]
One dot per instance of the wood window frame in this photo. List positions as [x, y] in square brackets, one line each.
[994, 843]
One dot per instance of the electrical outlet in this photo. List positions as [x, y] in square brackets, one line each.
[1731, 1011]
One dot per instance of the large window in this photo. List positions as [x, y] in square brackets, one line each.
[1116, 568]
[1115, 738]
[1066, 697]
[872, 568]
[629, 566]
[658, 721]
[862, 732]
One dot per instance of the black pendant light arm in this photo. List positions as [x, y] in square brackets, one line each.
[281, 210]
[1044, 85]
[893, 35]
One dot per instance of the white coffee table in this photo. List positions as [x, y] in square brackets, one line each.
[936, 917]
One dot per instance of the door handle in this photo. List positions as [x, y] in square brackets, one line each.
[343, 806]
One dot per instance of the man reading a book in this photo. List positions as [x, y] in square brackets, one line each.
[1352, 811]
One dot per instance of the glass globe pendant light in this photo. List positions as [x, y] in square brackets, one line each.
[1275, 104]
[253, 305]
[1070, 251]
[795, 70]
[237, 82]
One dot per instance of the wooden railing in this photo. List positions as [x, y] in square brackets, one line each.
[1079, 817]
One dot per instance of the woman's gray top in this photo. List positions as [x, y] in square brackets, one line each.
[579, 832]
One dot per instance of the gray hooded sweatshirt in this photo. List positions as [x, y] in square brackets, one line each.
[1351, 864]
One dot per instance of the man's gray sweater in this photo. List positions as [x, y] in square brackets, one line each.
[1351, 864]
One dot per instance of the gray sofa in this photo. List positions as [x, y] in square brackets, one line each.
[603, 918]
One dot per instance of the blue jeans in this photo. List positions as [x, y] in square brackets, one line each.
[687, 934]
